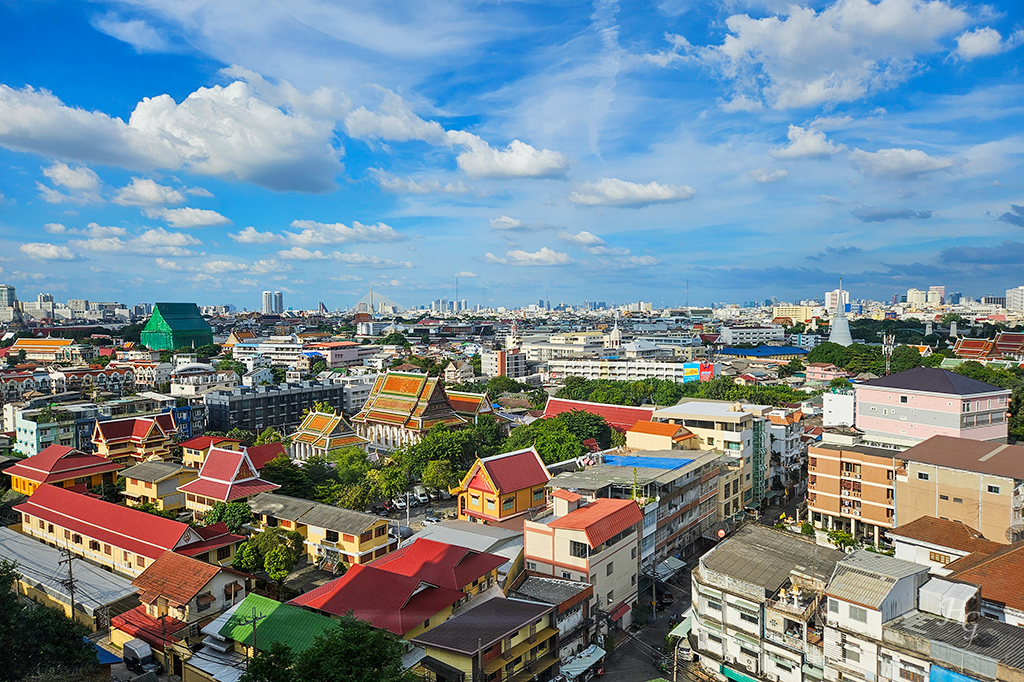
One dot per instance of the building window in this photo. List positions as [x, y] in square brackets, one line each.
[858, 614]
[332, 535]
[490, 504]
[852, 655]
[945, 498]
[714, 605]
[538, 494]
[611, 596]
[531, 566]
[833, 606]
[426, 623]
[748, 618]
[633, 553]
[938, 558]
[632, 579]
[106, 550]
[922, 476]
[378, 531]
[903, 398]
[474, 500]
[508, 503]
[993, 489]
[611, 567]
[567, 575]
[223, 552]
[958, 500]
[77, 539]
[578, 549]
[94, 546]
[140, 561]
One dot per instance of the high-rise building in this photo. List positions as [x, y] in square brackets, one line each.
[954, 298]
[268, 303]
[1015, 299]
[834, 297]
[940, 290]
[278, 302]
[8, 299]
[917, 297]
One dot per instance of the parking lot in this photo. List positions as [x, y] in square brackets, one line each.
[414, 515]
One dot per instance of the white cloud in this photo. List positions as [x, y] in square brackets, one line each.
[146, 192]
[614, 192]
[985, 42]
[392, 183]
[223, 131]
[269, 266]
[42, 251]
[318, 234]
[765, 176]
[545, 256]
[223, 266]
[898, 163]
[741, 103]
[250, 235]
[80, 179]
[466, 274]
[507, 224]
[299, 253]
[169, 265]
[154, 242]
[801, 57]
[518, 160]
[396, 121]
[830, 122]
[55, 228]
[135, 32]
[198, 192]
[371, 261]
[188, 217]
[805, 143]
[584, 238]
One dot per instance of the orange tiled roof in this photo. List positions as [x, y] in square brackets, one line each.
[602, 519]
[998, 575]
[661, 429]
[177, 577]
[946, 533]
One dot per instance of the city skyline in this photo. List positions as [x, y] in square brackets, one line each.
[588, 149]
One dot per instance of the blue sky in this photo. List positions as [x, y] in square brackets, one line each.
[201, 150]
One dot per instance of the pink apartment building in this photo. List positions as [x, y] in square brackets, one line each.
[903, 409]
[823, 371]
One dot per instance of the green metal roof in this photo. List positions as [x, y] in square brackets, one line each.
[290, 625]
[180, 317]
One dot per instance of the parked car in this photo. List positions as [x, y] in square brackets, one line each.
[379, 510]
[138, 657]
[420, 494]
[398, 504]
[435, 495]
[413, 502]
[430, 519]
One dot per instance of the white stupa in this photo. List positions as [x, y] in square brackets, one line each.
[840, 325]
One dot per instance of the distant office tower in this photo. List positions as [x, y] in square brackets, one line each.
[465, 305]
[42, 299]
[540, 303]
[1015, 299]
[832, 299]
[940, 290]
[8, 299]
[954, 298]
[993, 300]
[268, 303]
[278, 302]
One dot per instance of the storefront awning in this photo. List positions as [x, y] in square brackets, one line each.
[620, 611]
[583, 662]
[683, 628]
[668, 567]
[735, 676]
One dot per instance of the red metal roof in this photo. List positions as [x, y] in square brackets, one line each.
[516, 470]
[601, 519]
[619, 611]
[227, 475]
[123, 527]
[214, 537]
[439, 563]
[259, 455]
[619, 417]
[568, 495]
[57, 463]
[386, 600]
[153, 631]
[134, 428]
[203, 442]
[176, 577]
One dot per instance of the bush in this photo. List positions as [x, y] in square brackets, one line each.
[807, 529]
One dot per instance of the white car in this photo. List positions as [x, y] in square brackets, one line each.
[399, 503]
[420, 493]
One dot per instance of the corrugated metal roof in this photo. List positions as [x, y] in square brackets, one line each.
[867, 578]
[998, 641]
[293, 626]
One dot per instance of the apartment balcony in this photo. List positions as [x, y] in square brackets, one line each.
[1018, 500]
[798, 605]
[851, 475]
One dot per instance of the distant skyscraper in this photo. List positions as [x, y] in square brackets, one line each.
[954, 298]
[278, 302]
[834, 297]
[8, 299]
[268, 303]
[940, 290]
[1015, 299]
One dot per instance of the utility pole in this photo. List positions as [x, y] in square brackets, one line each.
[888, 346]
[70, 582]
[252, 620]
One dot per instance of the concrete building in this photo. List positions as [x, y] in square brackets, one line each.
[787, 450]
[976, 483]
[732, 335]
[510, 363]
[633, 369]
[835, 298]
[937, 543]
[755, 599]
[1015, 299]
[597, 542]
[257, 407]
[852, 487]
[738, 430]
[157, 483]
[906, 408]
[798, 313]
[282, 350]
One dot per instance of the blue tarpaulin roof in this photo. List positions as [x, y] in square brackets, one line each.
[646, 462]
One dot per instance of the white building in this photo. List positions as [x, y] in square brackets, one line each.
[732, 335]
[1015, 299]
[626, 369]
[832, 299]
[510, 363]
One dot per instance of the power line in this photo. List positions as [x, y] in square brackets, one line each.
[69, 582]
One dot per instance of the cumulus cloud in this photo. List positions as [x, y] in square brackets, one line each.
[591, 243]
[830, 122]
[545, 256]
[81, 183]
[507, 224]
[43, 251]
[171, 265]
[898, 163]
[802, 57]
[371, 261]
[741, 103]
[518, 160]
[250, 235]
[395, 121]
[55, 228]
[880, 214]
[188, 217]
[466, 274]
[805, 143]
[317, 234]
[985, 42]
[299, 253]
[614, 192]
[146, 192]
[765, 176]
[1015, 216]
[223, 131]
[154, 242]
[392, 183]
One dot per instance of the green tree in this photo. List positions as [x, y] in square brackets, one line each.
[247, 558]
[551, 437]
[841, 539]
[318, 367]
[353, 651]
[292, 478]
[839, 382]
[270, 435]
[32, 636]
[272, 665]
[806, 529]
[109, 492]
[278, 563]
[270, 539]
[439, 475]
[151, 508]
[318, 406]
[395, 339]
[488, 431]
[388, 481]
[232, 366]
[586, 425]
[350, 464]
[791, 368]
[233, 514]
[319, 470]
[210, 350]
[346, 495]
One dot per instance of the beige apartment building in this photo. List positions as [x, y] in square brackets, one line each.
[852, 487]
[977, 483]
